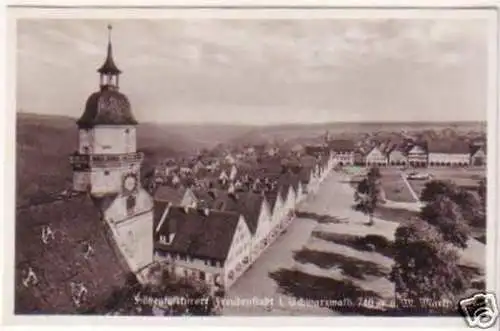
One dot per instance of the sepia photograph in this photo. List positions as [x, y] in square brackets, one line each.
[263, 165]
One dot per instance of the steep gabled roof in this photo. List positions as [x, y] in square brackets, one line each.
[206, 236]
[247, 204]
[475, 148]
[170, 194]
[75, 224]
[289, 180]
[272, 198]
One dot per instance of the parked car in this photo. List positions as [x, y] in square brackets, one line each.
[418, 176]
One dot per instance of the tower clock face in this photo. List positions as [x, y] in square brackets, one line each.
[130, 183]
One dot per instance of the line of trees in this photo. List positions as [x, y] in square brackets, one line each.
[427, 249]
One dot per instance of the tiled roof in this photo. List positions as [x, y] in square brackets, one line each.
[248, 204]
[198, 234]
[398, 147]
[452, 147]
[107, 107]
[75, 224]
[170, 194]
[475, 148]
[342, 145]
[289, 180]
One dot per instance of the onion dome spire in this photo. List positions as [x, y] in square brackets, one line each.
[107, 106]
[109, 67]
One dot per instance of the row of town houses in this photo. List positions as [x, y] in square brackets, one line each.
[410, 153]
[214, 232]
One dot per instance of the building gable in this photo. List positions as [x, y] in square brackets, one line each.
[479, 153]
[241, 233]
[397, 155]
[189, 199]
[118, 209]
[416, 149]
[375, 153]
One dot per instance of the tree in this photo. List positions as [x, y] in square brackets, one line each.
[481, 190]
[468, 203]
[435, 188]
[425, 267]
[447, 217]
[142, 299]
[480, 221]
[367, 194]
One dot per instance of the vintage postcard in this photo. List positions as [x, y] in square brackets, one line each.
[278, 162]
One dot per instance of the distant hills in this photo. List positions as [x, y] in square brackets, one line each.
[44, 143]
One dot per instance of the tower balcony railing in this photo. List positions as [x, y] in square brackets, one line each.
[96, 159]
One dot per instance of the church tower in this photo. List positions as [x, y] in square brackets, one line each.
[107, 160]
[107, 165]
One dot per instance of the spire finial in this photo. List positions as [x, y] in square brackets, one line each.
[110, 27]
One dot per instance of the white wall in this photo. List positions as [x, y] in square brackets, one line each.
[290, 201]
[135, 240]
[85, 141]
[109, 180]
[191, 267]
[264, 225]
[106, 180]
[446, 157]
[240, 247]
[81, 180]
[188, 199]
[345, 158]
[117, 211]
[108, 139]
[375, 156]
[278, 210]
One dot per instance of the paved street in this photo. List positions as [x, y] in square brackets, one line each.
[257, 282]
[333, 198]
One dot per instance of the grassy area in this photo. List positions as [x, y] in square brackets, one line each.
[465, 177]
[393, 186]
[417, 186]
[396, 190]
[398, 215]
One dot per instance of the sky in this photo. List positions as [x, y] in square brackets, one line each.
[261, 71]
